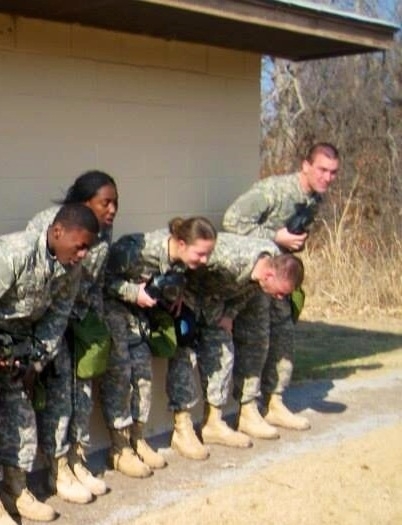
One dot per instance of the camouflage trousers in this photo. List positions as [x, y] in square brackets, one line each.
[264, 348]
[277, 372]
[250, 336]
[126, 387]
[214, 356]
[181, 386]
[66, 416]
[18, 436]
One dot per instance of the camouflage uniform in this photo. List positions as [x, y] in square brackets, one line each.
[126, 386]
[36, 297]
[65, 419]
[223, 288]
[261, 212]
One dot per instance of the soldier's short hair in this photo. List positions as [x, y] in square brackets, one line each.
[325, 148]
[77, 216]
[288, 267]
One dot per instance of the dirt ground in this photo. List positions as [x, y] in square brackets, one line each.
[346, 470]
[357, 481]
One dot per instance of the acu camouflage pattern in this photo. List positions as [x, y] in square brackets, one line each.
[134, 259]
[93, 266]
[261, 212]
[263, 336]
[36, 291]
[69, 403]
[36, 297]
[127, 385]
[266, 206]
[223, 288]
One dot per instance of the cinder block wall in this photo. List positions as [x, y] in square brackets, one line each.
[176, 124]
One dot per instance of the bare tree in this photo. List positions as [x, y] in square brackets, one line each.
[355, 103]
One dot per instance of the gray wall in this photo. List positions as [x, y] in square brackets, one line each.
[176, 124]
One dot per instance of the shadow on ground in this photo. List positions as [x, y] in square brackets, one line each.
[326, 353]
[329, 351]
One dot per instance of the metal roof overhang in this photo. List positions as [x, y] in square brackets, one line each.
[294, 30]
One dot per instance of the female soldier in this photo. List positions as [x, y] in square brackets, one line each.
[63, 426]
[239, 277]
[126, 386]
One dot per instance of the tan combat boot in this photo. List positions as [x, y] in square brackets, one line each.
[19, 500]
[279, 415]
[151, 458]
[5, 518]
[215, 430]
[253, 424]
[122, 456]
[63, 482]
[184, 438]
[76, 461]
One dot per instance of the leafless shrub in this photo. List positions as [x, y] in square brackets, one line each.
[353, 259]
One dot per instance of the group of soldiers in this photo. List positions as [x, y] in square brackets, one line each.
[237, 284]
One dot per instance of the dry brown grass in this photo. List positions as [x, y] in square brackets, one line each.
[351, 276]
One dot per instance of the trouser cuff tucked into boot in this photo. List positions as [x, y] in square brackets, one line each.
[76, 461]
[185, 440]
[279, 415]
[122, 456]
[215, 430]
[64, 483]
[18, 499]
[153, 459]
[253, 424]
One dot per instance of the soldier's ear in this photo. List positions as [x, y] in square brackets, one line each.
[305, 166]
[181, 244]
[58, 230]
[269, 273]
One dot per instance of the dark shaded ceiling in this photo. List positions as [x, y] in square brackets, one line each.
[293, 30]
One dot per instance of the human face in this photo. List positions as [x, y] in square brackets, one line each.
[196, 254]
[71, 245]
[276, 286]
[319, 175]
[104, 205]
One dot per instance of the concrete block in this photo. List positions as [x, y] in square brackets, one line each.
[98, 44]
[222, 191]
[7, 31]
[190, 57]
[226, 62]
[47, 76]
[167, 88]
[252, 65]
[139, 222]
[142, 194]
[186, 195]
[120, 82]
[205, 92]
[243, 96]
[41, 36]
[144, 50]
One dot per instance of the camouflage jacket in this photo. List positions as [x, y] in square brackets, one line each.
[36, 291]
[266, 206]
[133, 259]
[93, 266]
[224, 286]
